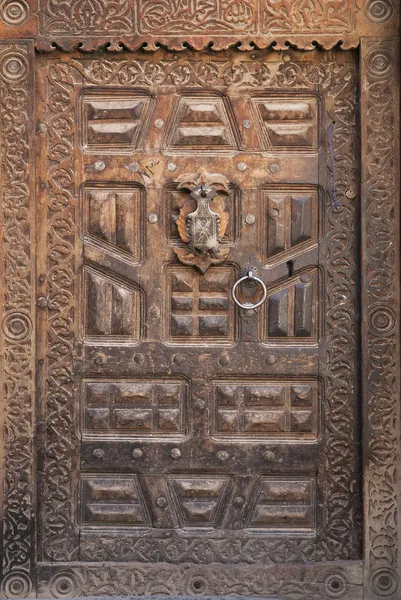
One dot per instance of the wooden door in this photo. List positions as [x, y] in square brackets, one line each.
[197, 431]
[200, 299]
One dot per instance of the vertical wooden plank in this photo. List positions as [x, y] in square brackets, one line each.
[17, 313]
[380, 315]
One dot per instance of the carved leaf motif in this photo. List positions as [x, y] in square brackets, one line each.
[199, 260]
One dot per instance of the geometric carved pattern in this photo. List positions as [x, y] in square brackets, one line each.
[266, 409]
[201, 305]
[290, 314]
[200, 499]
[140, 407]
[287, 124]
[201, 123]
[112, 308]
[108, 500]
[113, 123]
[283, 504]
[290, 221]
[113, 220]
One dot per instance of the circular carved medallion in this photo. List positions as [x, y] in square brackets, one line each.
[17, 326]
[14, 66]
[14, 12]
[17, 585]
[379, 11]
[384, 582]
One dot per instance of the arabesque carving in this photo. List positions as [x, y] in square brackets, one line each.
[18, 372]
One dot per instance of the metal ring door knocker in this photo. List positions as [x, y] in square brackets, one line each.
[249, 276]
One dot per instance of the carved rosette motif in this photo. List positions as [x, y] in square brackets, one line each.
[380, 235]
[60, 439]
[17, 339]
[14, 12]
[379, 11]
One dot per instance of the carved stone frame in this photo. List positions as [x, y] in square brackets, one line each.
[372, 25]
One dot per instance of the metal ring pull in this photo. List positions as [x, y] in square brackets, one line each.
[249, 275]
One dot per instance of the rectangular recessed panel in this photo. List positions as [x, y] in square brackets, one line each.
[202, 124]
[112, 500]
[290, 216]
[290, 314]
[286, 408]
[283, 504]
[288, 124]
[200, 498]
[134, 407]
[113, 219]
[113, 121]
[112, 309]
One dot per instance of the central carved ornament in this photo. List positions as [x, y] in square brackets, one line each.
[203, 228]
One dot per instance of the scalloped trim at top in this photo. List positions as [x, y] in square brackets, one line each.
[179, 44]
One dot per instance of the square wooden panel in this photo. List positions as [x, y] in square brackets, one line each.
[199, 307]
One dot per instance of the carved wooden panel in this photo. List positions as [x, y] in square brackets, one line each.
[141, 407]
[113, 122]
[266, 408]
[200, 306]
[291, 221]
[113, 219]
[201, 124]
[288, 124]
